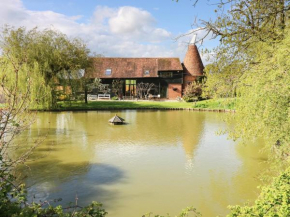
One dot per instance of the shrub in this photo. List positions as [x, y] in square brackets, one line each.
[192, 92]
[114, 98]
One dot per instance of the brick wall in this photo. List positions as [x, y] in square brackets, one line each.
[186, 79]
[174, 91]
[192, 62]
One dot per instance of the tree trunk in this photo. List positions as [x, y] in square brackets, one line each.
[86, 95]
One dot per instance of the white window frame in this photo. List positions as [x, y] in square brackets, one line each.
[108, 70]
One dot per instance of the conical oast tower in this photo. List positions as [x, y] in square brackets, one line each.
[193, 66]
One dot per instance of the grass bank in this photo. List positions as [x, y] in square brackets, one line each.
[213, 104]
[228, 103]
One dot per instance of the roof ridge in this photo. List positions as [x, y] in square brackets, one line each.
[137, 57]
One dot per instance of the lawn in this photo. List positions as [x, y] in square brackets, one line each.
[226, 103]
[107, 105]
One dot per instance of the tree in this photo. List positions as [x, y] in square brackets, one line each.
[143, 89]
[222, 77]
[253, 57]
[98, 86]
[242, 22]
[22, 87]
[251, 63]
[265, 101]
[117, 87]
[192, 92]
[56, 56]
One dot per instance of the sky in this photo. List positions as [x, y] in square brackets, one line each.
[116, 28]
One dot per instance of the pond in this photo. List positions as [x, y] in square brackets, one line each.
[160, 161]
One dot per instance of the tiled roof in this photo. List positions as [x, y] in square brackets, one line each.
[192, 61]
[116, 119]
[132, 67]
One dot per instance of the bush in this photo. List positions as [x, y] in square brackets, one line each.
[114, 98]
[188, 98]
[192, 92]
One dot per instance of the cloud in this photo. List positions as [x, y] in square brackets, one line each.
[131, 20]
[12, 11]
[102, 13]
[125, 31]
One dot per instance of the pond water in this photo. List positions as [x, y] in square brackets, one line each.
[161, 162]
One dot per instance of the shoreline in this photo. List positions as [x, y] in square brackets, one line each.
[144, 109]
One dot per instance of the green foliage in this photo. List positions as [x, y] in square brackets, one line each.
[228, 103]
[223, 77]
[117, 87]
[98, 86]
[247, 22]
[242, 29]
[252, 63]
[192, 92]
[31, 65]
[273, 201]
[49, 54]
[184, 213]
[95, 105]
[187, 98]
[24, 79]
[265, 100]
[114, 98]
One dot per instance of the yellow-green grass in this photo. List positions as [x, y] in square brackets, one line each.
[109, 105]
[225, 103]
[214, 104]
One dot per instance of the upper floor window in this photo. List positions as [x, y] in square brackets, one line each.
[146, 72]
[108, 72]
[166, 74]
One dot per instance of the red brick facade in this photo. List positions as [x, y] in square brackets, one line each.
[192, 66]
[187, 79]
[166, 73]
[192, 62]
[174, 91]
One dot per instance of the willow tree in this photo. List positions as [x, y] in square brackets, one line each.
[24, 82]
[251, 63]
[55, 55]
[254, 56]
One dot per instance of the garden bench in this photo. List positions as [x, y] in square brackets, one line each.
[92, 97]
[104, 96]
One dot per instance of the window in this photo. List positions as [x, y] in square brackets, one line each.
[131, 82]
[130, 89]
[146, 72]
[108, 72]
[166, 74]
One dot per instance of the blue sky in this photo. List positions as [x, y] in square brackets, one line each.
[144, 28]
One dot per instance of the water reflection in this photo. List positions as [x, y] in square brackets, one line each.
[68, 180]
[161, 161]
[192, 135]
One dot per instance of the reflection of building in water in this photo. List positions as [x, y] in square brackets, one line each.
[191, 135]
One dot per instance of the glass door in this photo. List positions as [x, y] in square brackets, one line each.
[130, 88]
